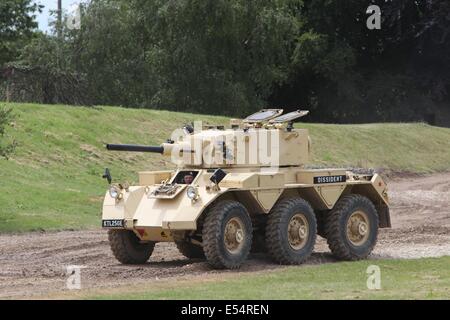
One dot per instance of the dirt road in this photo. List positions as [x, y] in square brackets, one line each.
[34, 264]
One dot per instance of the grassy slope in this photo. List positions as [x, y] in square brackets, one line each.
[400, 279]
[53, 181]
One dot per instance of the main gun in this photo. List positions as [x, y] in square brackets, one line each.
[135, 148]
[165, 149]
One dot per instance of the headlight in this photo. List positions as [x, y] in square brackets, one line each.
[114, 192]
[192, 193]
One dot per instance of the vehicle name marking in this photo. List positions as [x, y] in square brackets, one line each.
[330, 179]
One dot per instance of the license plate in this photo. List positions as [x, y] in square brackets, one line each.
[115, 223]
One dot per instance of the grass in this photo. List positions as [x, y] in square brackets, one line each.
[400, 279]
[53, 181]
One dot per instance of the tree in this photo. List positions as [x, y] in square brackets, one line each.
[17, 24]
[234, 56]
[110, 49]
[420, 30]
[346, 72]
[218, 56]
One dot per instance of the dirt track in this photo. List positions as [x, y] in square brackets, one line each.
[34, 264]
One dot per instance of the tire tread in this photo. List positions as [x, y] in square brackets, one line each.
[212, 230]
[274, 238]
[333, 227]
[117, 241]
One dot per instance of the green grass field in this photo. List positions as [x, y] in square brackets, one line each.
[400, 279]
[53, 181]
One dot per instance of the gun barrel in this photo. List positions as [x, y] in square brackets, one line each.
[135, 148]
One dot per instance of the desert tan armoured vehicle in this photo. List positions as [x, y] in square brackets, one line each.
[241, 189]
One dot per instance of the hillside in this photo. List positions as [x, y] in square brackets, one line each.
[54, 179]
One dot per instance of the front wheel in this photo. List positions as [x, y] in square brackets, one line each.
[227, 235]
[352, 228]
[127, 248]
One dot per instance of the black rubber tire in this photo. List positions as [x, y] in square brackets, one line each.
[126, 247]
[321, 217]
[190, 250]
[214, 247]
[258, 243]
[259, 222]
[336, 228]
[277, 231]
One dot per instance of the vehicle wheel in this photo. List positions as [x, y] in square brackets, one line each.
[258, 243]
[259, 222]
[291, 231]
[227, 235]
[352, 228]
[127, 247]
[321, 217]
[190, 250]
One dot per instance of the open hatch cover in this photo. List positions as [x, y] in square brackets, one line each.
[263, 115]
[291, 116]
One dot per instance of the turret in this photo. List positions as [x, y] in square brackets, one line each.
[264, 139]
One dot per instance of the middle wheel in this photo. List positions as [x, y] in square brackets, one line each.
[227, 235]
[291, 231]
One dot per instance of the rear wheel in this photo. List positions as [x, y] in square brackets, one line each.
[227, 235]
[259, 222]
[321, 217]
[291, 231]
[190, 250]
[258, 243]
[127, 248]
[352, 228]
